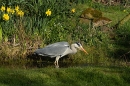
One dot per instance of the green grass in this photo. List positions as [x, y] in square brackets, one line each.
[72, 76]
[118, 15]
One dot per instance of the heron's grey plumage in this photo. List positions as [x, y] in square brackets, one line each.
[59, 44]
[58, 50]
[53, 50]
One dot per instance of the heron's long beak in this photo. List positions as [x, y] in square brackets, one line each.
[84, 50]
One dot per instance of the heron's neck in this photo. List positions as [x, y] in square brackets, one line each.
[74, 50]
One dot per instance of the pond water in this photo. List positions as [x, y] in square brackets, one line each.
[43, 64]
[40, 62]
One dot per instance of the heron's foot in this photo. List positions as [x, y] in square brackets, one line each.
[56, 64]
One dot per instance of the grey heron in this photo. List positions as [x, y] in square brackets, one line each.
[59, 50]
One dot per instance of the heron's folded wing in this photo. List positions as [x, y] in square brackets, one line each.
[58, 44]
[51, 51]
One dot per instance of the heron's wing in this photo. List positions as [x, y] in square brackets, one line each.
[52, 51]
[59, 44]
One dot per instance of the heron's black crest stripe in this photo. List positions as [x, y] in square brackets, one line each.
[78, 43]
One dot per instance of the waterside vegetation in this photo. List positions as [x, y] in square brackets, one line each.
[26, 25]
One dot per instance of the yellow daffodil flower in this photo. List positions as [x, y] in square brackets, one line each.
[12, 11]
[2, 8]
[20, 13]
[73, 10]
[6, 17]
[48, 12]
[17, 8]
[8, 9]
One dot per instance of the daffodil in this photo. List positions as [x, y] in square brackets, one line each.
[2, 8]
[12, 11]
[20, 13]
[73, 10]
[48, 12]
[17, 8]
[8, 9]
[6, 17]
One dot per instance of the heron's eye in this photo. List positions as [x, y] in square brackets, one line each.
[78, 44]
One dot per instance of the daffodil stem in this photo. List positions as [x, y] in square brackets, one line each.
[0, 33]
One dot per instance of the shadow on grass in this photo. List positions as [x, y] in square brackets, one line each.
[17, 79]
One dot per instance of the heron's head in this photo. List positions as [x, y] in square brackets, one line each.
[79, 46]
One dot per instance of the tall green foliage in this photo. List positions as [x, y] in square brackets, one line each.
[36, 21]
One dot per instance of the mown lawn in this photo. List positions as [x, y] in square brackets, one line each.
[72, 76]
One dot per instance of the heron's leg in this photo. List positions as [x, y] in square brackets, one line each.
[56, 61]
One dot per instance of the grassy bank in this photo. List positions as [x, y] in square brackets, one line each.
[21, 35]
[73, 76]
